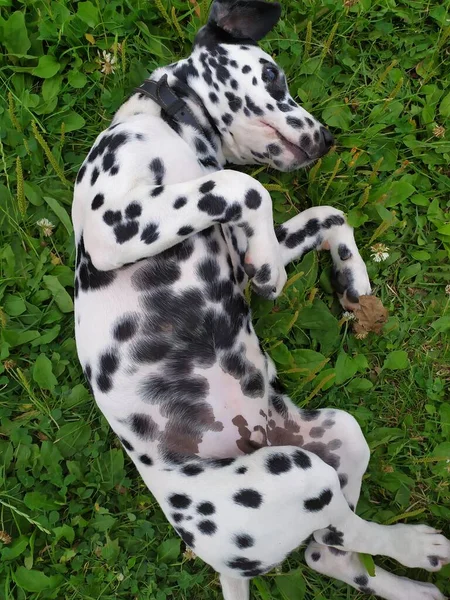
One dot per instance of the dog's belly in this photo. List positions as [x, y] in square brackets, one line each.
[172, 356]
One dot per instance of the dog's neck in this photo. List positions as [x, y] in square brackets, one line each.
[205, 138]
[178, 80]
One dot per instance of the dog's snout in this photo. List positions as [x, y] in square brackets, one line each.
[326, 138]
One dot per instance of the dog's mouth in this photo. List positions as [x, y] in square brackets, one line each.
[300, 154]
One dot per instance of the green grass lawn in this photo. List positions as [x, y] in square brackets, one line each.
[75, 519]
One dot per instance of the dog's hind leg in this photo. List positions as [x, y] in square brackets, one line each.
[325, 228]
[337, 438]
[235, 589]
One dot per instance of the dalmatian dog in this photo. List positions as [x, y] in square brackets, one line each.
[167, 240]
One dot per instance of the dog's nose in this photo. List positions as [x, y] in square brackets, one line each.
[327, 138]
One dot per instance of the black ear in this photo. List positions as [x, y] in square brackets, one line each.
[245, 19]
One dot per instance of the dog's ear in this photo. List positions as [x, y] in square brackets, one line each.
[245, 19]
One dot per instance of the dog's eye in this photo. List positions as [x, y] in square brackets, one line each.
[270, 73]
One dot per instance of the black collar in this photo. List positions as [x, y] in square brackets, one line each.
[175, 108]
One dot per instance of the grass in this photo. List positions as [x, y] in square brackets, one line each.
[75, 519]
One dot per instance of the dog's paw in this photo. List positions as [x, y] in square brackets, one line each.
[421, 546]
[264, 266]
[417, 590]
[350, 280]
[268, 280]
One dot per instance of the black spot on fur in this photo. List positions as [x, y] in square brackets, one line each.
[213, 205]
[94, 175]
[294, 122]
[309, 415]
[143, 426]
[301, 459]
[127, 445]
[242, 563]
[146, 460]
[333, 537]
[157, 191]
[206, 508]
[227, 119]
[208, 270]
[207, 186]
[263, 274]
[180, 202]
[234, 102]
[253, 199]
[180, 501]
[241, 470]
[253, 385]
[155, 273]
[81, 173]
[334, 220]
[248, 498]
[344, 252]
[133, 210]
[89, 277]
[150, 350]
[125, 231]
[150, 233]
[192, 470]
[98, 201]
[109, 363]
[161, 390]
[319, 503]
[186, 536]
[111, 217]
[336, 552]
[283, 106]
[278, 463]
[281, 233]
[433, 560]
[158, 170]
[274, 149]
[186, 230]
[244, 540]
[207, 527]
[125, 328]
[315, 556]
[219, 463]
[343, 479]
[251, 106]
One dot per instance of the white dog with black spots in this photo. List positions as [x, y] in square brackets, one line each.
[167, 240]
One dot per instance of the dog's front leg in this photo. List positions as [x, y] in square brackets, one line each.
[325, 228]
[235, 589]
[151, 219]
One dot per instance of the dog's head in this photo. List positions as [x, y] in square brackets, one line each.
[246, 92]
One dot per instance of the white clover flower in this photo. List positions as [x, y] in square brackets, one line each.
[447, 289]
[362, 335]
[189, 554]
[439, 131]
[46, 226]
[380, 252]
[107, 62]
[348, 316]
